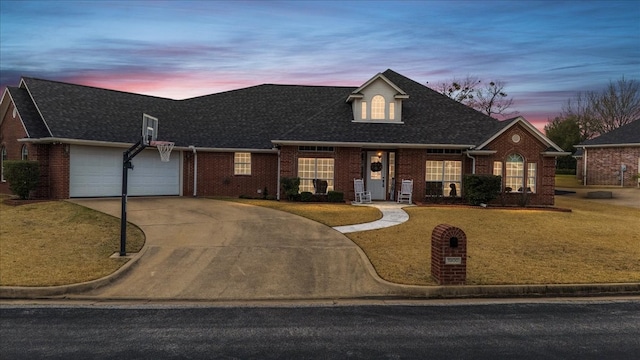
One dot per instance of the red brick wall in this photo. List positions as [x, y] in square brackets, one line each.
[10, 131]
[216, 178]
[347, 165]
[59, 170]
[531, 149]
[603, 165]
[53, 159]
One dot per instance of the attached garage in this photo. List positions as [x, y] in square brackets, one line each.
[97, 171]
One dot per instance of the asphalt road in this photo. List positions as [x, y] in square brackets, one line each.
[549, 330]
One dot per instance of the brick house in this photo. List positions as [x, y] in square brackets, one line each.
[601, 160]
[244, 141]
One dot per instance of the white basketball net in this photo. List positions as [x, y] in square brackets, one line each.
[164, 148]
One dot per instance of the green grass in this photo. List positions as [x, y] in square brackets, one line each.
[567, 181]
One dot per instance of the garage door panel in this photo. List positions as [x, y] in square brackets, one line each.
[97, 171]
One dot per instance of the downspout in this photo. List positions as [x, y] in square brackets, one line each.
[473, 164]
[584, 168]
[195, 170]
[278, 181]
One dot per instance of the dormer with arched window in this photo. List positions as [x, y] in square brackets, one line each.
[378, 100]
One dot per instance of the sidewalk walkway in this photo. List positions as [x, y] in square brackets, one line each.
[392, 215]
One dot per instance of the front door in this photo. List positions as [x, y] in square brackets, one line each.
[377, 174]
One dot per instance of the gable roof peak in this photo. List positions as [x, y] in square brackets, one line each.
[527, 125]
[357, 93]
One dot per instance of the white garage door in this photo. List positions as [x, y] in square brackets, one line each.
[97, 171]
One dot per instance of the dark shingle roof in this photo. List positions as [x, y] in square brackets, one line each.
[250, 118]
[88, 113]
[627, 134]
[31, 119]
[428, 118]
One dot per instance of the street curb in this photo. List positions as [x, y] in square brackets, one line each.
[74, 291]
[497, 291]
[42, 292]
[513, 291]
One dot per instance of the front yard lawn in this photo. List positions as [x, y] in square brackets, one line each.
[56, 243]
[595, 243]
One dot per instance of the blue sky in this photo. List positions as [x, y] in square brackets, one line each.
[545, 51]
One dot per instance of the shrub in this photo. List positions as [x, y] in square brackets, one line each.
[335, 196]
[306, 196]
[291, 187]
[23, 176]
[480, 189]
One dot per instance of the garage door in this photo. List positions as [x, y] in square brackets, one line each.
[97, 171]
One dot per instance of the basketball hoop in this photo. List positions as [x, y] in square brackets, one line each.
[164, 148]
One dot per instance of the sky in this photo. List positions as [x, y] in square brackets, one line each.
[545, 51]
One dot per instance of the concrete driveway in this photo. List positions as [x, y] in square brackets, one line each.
[208, 249]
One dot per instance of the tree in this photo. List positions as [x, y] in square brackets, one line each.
[460, 90]
[579, 109]
[490, 99]
[565, 132]
[493, 100]
[600, 112]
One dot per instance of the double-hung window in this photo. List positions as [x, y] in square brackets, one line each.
[242, 163]
[310, 169]
[443, 178]
[24, 153]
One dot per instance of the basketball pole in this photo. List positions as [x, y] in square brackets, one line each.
[127, 156]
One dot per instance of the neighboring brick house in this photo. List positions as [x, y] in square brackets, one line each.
[601, 160]
[244, 141]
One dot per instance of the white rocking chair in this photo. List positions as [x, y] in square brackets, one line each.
[362, 196]
[406, 191]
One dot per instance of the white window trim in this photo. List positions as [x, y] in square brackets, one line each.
[376, 102]
[239, 159]
[331, 181]
[526, 177]
[442, 174]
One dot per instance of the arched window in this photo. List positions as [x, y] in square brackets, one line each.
[3, 157]
[514, 172]
[24, 153]
[378, 107]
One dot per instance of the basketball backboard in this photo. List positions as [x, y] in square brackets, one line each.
[149, 129]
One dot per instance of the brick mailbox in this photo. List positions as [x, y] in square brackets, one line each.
[448, 255]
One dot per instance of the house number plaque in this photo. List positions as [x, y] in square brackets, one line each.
[453, 260]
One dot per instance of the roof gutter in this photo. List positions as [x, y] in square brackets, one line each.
[555, 153]
[370, 145]
[56, 140]
[608, 145]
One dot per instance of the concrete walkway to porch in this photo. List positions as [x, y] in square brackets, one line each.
[392, 215]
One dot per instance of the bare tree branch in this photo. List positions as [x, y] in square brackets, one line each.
[490, 99]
